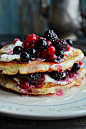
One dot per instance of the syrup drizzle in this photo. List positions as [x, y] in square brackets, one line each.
[9, 52]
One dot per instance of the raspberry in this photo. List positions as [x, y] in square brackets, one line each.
[24, 84]
[32, 45]
[16, 39]
[51, 50]
[32, 38]
[50, 35]
[44, 54]
[52, 57]
[68, 47]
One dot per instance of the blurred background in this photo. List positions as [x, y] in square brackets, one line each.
[66, 17]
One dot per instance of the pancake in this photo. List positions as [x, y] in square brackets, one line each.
[39, 65]
[47, 87]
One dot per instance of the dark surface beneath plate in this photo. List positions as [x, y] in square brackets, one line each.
[15, 123]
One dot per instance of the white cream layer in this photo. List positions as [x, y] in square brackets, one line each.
[10, 56]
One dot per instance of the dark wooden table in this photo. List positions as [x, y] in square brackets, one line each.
[15, 123]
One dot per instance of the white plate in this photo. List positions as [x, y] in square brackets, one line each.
[71, 104]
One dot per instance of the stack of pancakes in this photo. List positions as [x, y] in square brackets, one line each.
[12, 72]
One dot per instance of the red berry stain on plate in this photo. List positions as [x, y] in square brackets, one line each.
[59, 93]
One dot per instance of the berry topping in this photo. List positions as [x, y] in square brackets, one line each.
[75, 67]
[17, 50]
[69, 70]
[33, 78]
[41, 44]
[50, 35]
[52, 57]
[49, 47]
[70, 74]
[24, 57]
[25, 45]
[80, 63]
[51, 50]
[32, 38]
[68, 47]
[49, 43]
[63, 75]
[24, 84]
[60, 45]
[58, 76]
[40, 83]
[29, 41]
[42, 38]
[44, 54]
[32, 52]
[70, 42]
[32, 45]
[61, 54]
[16, 39]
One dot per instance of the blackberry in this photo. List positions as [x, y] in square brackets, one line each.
[75, 67]
[50, 35]
[60, 45]
[58, 76]
[17, 50]
[41, 44]
[33, 78]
